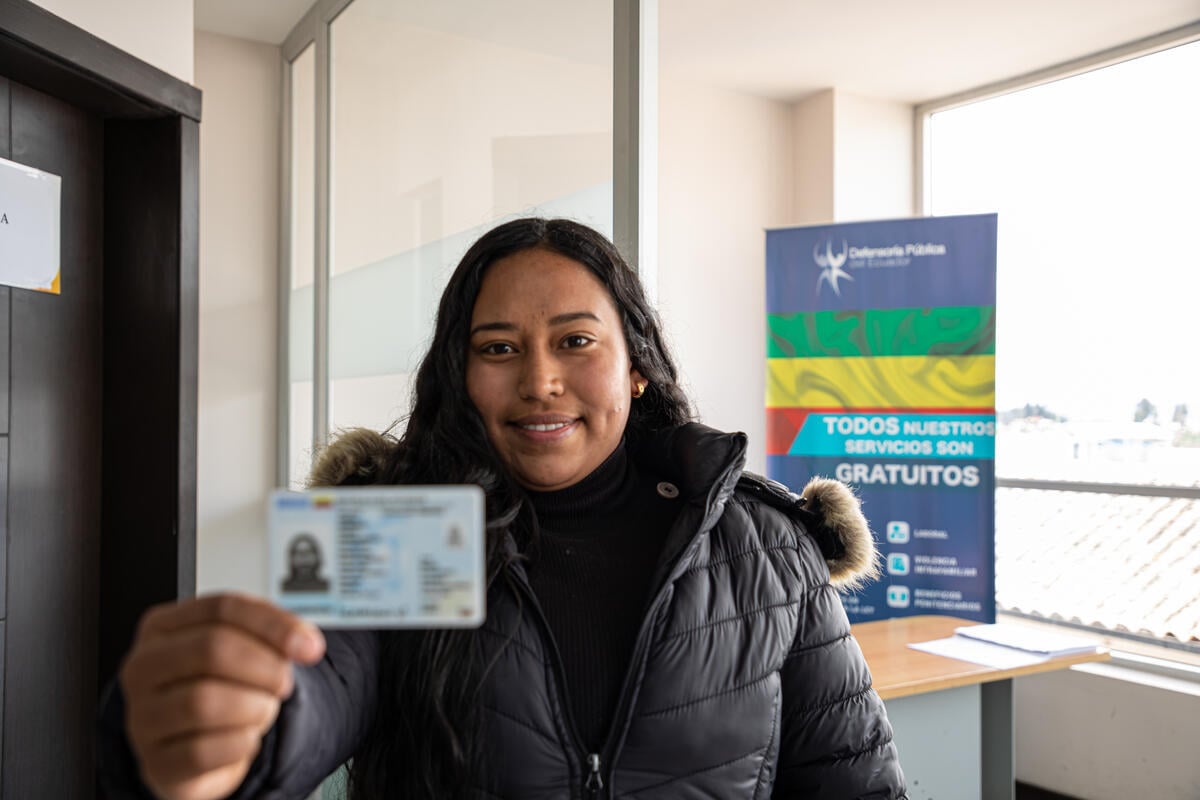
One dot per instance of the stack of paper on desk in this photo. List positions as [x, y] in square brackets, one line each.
[1004, 646]
[1032, 640]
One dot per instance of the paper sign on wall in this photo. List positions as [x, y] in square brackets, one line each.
[30, 210]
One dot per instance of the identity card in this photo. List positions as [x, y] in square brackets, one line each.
[379, 557]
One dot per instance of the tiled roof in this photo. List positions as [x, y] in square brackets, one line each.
[1121, 562]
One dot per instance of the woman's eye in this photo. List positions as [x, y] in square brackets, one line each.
[577, 340]
[497, 349]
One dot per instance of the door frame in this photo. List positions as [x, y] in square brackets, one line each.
[151, 299]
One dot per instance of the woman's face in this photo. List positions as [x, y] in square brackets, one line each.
[548, 368]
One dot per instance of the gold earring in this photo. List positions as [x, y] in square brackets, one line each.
[639, 389]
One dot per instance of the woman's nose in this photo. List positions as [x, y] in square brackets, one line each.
[540, 376]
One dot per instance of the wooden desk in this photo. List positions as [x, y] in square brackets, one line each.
[953, 719]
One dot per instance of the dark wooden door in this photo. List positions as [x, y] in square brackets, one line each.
[54, 426]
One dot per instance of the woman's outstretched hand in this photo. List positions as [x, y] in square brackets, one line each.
[202, 683]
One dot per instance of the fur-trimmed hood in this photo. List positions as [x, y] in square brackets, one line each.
[353, 457]
[855, 562]
[829, 509]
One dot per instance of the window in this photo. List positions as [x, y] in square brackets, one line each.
[1094, 177]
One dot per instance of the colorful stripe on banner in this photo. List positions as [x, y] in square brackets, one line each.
[784, 424]
[946, 331]
[905, 436]
[902, 382]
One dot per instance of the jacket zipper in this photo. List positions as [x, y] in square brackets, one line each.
[669, 572]
[640, 651]
[593, 783]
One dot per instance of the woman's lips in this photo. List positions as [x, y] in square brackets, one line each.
[545, 428]
[552, 426]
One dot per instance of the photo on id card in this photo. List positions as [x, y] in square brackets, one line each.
[304, 552]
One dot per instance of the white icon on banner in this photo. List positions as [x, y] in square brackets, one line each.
[897, 596]
[897, 564]
[898, 532]
[831, 265]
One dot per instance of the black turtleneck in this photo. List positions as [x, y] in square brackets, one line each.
[591, 568]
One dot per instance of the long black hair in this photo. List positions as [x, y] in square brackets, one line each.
[425, 739]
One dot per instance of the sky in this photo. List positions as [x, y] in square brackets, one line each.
[1096, 180]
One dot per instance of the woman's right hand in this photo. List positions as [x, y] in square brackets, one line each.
[202, 683]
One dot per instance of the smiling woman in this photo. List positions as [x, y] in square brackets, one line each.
[660, 622]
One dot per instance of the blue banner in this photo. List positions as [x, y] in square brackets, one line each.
[881, 373]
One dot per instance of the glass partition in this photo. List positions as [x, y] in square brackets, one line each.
[446, 119]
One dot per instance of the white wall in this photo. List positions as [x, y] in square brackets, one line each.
[1086, 733]
[725, 167]
[872, 158]
[158, 32]
[239, 232]
[853, 158]
[814, 133]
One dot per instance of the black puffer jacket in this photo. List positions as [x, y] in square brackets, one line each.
[745, 681]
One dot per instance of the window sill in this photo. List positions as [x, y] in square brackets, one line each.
[1150, 672]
